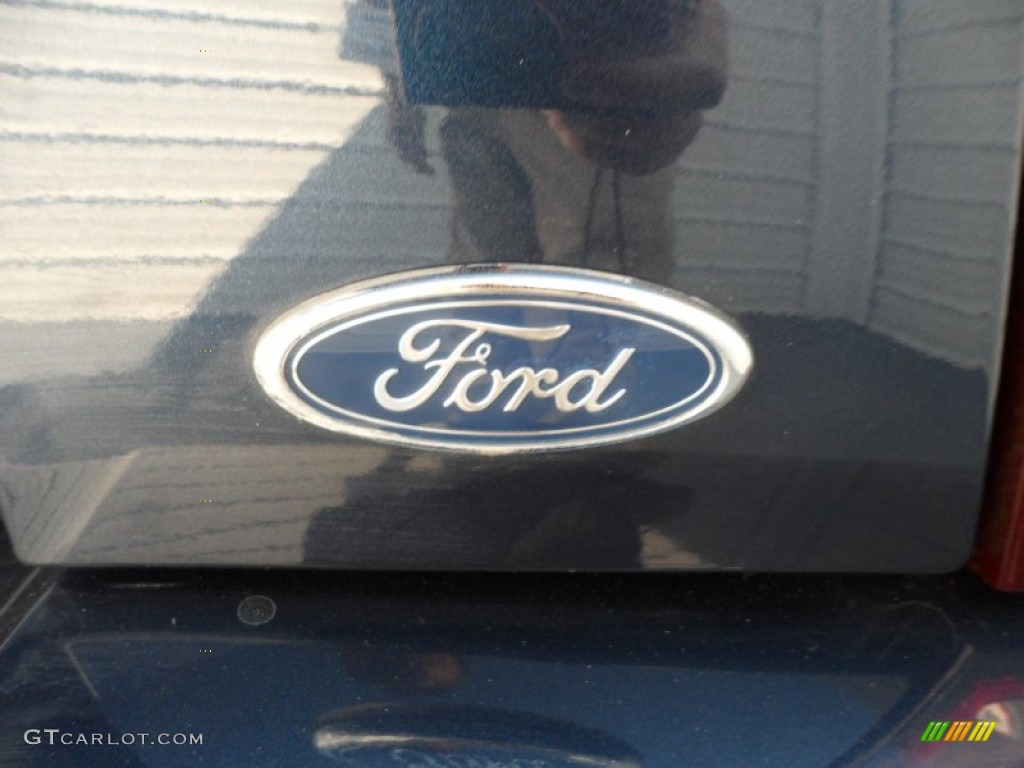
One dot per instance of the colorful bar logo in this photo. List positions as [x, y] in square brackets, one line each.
[960, 730]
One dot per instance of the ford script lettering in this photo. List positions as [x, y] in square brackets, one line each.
[502, 358]
[525, 381]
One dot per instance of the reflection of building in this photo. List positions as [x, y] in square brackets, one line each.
[861, 167]
[142, 146]
[173, 177]
[177, 133]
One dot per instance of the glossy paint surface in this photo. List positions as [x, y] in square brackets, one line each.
[838, 177]
[388, 670]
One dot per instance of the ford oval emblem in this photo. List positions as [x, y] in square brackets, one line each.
[502, 358]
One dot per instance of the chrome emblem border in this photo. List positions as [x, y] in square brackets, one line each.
[281, 346]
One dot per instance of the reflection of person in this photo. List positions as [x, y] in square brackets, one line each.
[670, 88]
[588, 187]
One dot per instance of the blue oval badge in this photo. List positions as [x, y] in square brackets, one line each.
[502, 358]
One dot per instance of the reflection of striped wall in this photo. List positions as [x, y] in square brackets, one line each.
[762, 192]
[746, 188]
[143, 144]
[952, 164]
